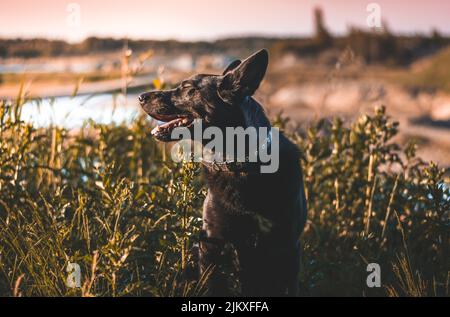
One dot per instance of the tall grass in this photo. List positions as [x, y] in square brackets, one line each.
[104, 197]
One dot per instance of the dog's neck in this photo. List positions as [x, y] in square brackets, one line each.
[255, 117]
[253, 114]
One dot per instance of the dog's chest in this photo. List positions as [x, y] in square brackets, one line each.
[236, 194]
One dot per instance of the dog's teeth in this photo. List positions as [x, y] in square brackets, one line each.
[155, 131]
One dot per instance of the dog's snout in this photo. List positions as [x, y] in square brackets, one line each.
[143, 98]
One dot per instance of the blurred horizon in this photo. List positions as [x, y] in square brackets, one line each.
[199, 20]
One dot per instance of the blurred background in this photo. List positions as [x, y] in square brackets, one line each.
[78, 60]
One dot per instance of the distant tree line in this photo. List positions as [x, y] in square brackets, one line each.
[374, 46]
[28, 48]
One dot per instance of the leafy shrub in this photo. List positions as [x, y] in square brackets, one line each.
[369, 202]
[105, 197]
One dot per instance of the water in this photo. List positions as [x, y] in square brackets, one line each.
[72, 112]
[47, 67]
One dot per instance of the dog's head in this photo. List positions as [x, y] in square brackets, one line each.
[215, 99]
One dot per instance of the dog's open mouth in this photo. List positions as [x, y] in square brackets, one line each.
[164, 130]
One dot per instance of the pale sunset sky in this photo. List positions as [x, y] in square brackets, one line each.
[210, 19]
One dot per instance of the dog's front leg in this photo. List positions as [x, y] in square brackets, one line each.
[213, 255]
[211, 263]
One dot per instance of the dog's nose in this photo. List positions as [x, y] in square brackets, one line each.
[143, 98]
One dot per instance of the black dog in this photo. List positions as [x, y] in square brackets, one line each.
[260, 214]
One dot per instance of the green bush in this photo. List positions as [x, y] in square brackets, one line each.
[370, 202]
[106, 197]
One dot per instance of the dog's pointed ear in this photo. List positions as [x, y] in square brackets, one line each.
[244, 79]
[232, 66]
